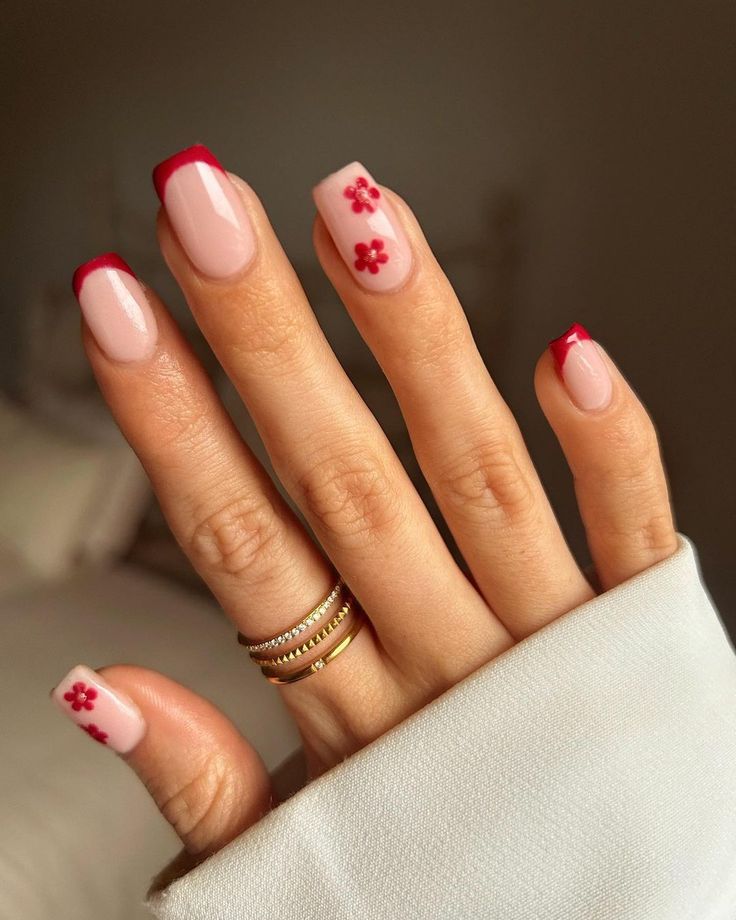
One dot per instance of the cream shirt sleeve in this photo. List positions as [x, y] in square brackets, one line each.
[589, 773]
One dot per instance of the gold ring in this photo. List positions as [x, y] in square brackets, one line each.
[310, 643]
[293, 631]
[342, 643]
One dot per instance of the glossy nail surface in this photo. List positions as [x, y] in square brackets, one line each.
[206, 212]
[364, 228]
[115, 308]
[582, 368]
[108, 717]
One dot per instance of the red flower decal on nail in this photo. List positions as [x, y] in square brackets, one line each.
[81, 696]
[370, 256]
[94, 732]
[362, 194]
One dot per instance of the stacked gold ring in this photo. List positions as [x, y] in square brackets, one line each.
[271, 666]
[309, 644]
[314, 614]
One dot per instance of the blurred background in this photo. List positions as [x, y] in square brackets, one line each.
[568, 161]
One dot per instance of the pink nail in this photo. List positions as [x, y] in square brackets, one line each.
[206, 212]
[582, 368]
[106, 715]
[364, 228]
[115, 308]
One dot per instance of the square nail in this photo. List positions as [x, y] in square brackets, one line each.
[206, 212]
[106, 715]
[115, 308]
[582, 369]
[364, 228]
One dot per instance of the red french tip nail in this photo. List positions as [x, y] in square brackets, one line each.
[107, 260]
[197, 153]
[560, 346]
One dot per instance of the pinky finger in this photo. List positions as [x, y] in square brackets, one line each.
[208, 782]
[612, 449]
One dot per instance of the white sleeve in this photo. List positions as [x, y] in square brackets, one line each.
[589, 773]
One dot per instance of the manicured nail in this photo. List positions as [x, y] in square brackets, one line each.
[206, 212]
[115, 308]
[582, 368]
[106, 715]
[364, 228]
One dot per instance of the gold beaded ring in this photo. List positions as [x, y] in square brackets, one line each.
[342, 643]
[293, 631]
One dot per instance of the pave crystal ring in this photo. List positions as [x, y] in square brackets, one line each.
[293, 631]
[273, 675]
[308, 644]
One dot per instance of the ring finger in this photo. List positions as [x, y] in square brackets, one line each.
[465, 437]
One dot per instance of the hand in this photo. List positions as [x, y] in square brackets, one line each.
[427, 625]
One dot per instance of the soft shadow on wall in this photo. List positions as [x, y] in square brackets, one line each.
[567, 161]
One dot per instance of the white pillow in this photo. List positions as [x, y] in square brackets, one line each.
[63, 499]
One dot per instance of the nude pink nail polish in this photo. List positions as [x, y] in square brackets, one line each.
[115, 308]
[206, 212]
[364, 228]
[107, 716]
[582, 369]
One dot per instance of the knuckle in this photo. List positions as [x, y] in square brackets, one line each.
[624, 483]
[242, 537]
[638, 543]
[630, 452]
[657, 534]
[274, 337]
[351, 495]
[177, 428]
[488, 484]
[438, 337]
[641, 519]
[203, 803]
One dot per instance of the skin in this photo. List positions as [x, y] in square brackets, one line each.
[335, 462]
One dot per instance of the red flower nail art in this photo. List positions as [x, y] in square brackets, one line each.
[81, 696]
[361, 194]
[370, 256]
[94, 732]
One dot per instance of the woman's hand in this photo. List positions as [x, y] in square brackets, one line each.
[428, 625]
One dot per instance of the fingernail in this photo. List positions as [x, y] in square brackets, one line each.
[107, 716]
[582, 368]
[364, 228]
[206, 212]
[115, 308]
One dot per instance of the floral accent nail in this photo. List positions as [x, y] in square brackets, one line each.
[119, 723]
[382, 261]
[361, 194]
[81, 696]
[370, 256]
[94, 732]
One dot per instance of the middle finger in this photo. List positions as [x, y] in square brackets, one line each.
[325, 445]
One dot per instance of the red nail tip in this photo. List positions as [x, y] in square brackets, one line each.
[560, 347]
[107, 260]
[198, 153]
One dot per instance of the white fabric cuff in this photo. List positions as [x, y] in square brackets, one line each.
[589, 773]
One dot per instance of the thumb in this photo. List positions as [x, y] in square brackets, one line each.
[208, 781]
